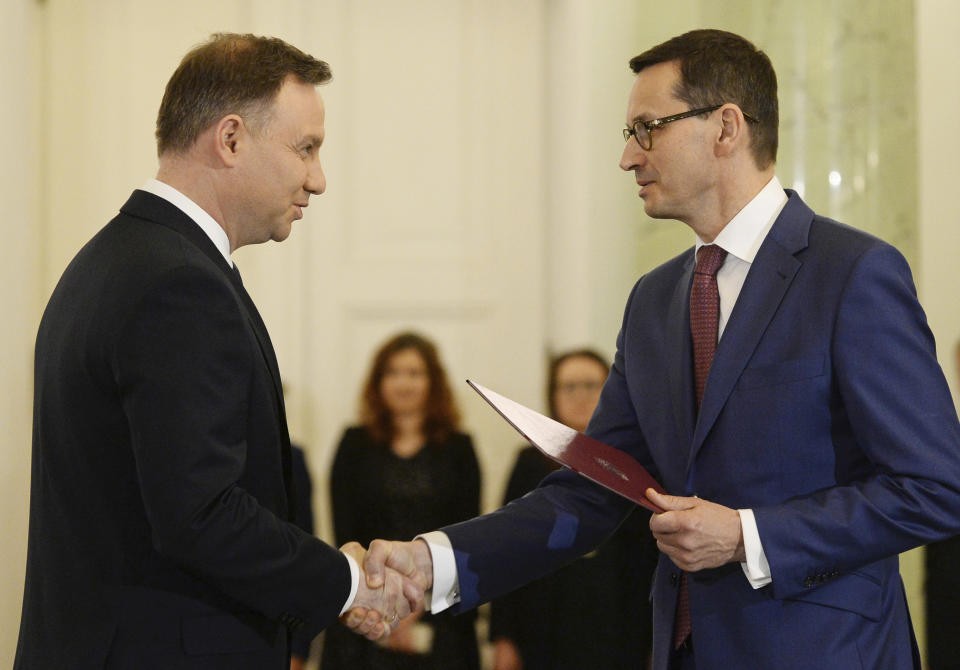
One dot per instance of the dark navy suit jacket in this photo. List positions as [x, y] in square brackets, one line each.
[161, 493]
[825, 412]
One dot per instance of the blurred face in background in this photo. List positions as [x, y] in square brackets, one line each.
[579, 381]
[405, 386]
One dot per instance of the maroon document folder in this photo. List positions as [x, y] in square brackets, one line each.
[599, 462]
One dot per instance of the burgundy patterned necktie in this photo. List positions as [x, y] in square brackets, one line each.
[704, 324]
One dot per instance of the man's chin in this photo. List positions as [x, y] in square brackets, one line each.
[282, 232]
[656, 211]
[650, 209]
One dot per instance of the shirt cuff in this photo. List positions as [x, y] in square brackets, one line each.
[446, 585]
[756, 568]
[354, 582]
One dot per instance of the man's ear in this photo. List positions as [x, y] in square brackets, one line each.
[229, 133]
[733, 130]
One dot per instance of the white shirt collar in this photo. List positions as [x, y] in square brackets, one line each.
[746, 231]
[196, 213]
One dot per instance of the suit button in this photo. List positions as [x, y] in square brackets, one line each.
[674, 578]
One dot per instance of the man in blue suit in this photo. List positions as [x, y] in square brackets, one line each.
[817, 443]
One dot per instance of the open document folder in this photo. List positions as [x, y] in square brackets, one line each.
[598, 462]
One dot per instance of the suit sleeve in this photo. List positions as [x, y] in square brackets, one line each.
[893, 411]
[303, 488]
[183, 362]
[566, 517]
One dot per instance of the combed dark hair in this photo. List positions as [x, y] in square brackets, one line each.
[554, 367]
[440, 416]
[717, 67]
[229, 74]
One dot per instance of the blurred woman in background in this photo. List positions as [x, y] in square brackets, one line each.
[405, 470]
[595, 613]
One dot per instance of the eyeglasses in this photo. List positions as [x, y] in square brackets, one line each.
[642, 129]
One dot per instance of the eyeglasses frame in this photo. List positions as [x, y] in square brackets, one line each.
[655, 124]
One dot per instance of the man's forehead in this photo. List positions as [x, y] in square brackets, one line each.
[296, 93]
[653, 90]
[300, 106]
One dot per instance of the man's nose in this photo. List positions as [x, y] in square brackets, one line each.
[316, 180]
[633, 156]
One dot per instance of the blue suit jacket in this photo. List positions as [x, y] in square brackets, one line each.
[825, 411]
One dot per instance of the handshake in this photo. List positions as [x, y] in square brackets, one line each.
[394, 578]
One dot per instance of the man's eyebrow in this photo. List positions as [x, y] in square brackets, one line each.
[312, 139]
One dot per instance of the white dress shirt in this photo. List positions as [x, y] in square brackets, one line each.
[741, 238]
[219, 238]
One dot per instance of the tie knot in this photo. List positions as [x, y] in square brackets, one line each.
[709, 259]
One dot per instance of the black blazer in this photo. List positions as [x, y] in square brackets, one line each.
[161, 489]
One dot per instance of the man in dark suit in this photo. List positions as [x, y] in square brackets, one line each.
[807, 447]
[161, 498]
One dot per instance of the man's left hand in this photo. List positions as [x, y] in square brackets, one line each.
[696, 534]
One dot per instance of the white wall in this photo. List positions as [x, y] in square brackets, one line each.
[598, 239]
[20, 279]
[938, 99]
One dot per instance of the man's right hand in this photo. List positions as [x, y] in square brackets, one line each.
[410, 559]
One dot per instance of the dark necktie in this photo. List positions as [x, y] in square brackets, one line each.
[704, 324]
[236, 275]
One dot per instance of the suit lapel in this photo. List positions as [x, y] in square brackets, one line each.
[679, 363]
[767, 282]
[260, 330]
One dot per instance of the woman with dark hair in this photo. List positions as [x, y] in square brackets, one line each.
[589, 614]
[404, 470]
